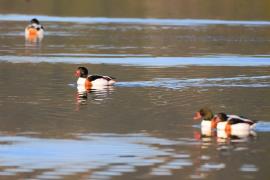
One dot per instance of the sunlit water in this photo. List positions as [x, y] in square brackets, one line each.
[141, 128]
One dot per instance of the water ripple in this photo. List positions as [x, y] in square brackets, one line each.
[105, 155]
[140, 21]
[127, 60]
[245, 82]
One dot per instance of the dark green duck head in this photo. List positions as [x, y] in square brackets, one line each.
[204, 114]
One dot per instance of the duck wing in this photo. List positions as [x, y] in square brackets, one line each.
[238, 119]
[95, 77]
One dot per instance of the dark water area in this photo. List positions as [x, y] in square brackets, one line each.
[170, 59]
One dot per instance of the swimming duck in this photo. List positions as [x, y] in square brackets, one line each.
[208, 120]
[34, 30]
[92, 81]
[233, 124]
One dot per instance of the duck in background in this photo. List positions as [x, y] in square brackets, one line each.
[34, 31]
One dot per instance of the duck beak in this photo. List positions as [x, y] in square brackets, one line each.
[197, 116]
[78, 73]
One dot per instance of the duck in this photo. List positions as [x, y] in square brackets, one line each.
[34, 30]
[208, 120]
[87, 82]
[234, 124]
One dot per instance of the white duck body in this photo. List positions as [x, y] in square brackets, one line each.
[103, 81]
[206, 124]
[97, 83]
[221, 125]
[236, 128]
[34, 27]
[81, 81]
[81, 85]
[207, 127]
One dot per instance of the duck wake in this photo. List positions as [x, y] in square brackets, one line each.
[262, 126]
[241, 81]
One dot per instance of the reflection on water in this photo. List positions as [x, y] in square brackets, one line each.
[96, 94]
[32, 41]
[99, 156]
[224, 136]
[32, 44]
[237, 61]
[147, 21]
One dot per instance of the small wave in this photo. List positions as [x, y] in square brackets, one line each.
[146, 61]
[140, 21]
[245, 82]
[262, 126]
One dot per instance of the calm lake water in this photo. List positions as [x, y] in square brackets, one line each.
[170, 59]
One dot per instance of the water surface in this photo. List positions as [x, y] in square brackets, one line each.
[167, 67]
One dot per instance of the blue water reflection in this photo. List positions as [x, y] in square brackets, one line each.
[142, 21]
[218, 60]
[105, 154]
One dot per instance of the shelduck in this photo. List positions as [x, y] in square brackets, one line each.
[208, 120]
[87, 82]
[34, 31]
[227, 126]
[233, 124]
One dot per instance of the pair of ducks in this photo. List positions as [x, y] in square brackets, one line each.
[229, 124]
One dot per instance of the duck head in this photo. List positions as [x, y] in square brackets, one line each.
[221, 117]
[34, 21]
[81, 72]
[204, 113]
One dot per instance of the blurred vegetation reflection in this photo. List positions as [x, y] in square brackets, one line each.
[205, 9]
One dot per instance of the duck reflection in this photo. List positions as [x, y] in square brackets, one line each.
[220, 135]
[96, 94]
[219, 143]
[244, 135]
